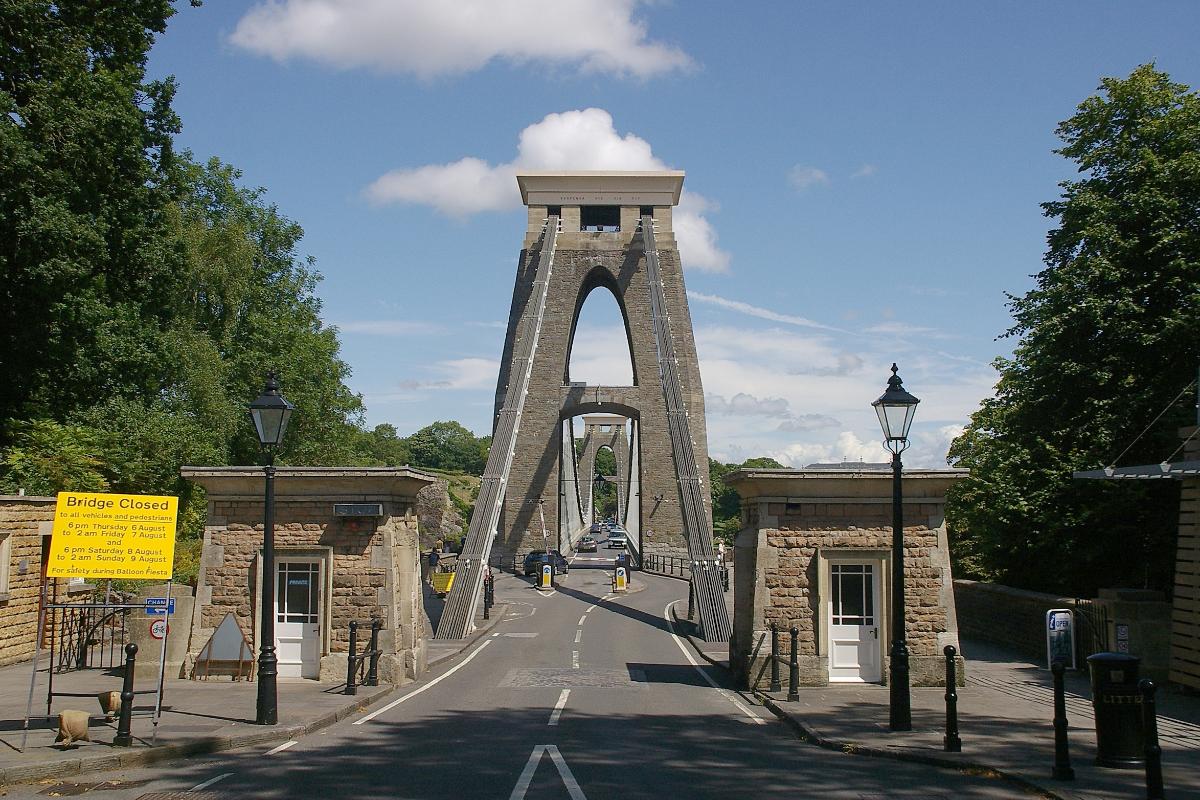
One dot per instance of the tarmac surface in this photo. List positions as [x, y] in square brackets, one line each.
[580, 693]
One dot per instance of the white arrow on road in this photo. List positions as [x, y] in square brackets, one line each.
[564, 772]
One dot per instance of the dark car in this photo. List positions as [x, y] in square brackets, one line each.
[587, 544]
[537, 558]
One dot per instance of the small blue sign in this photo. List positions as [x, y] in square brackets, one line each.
[160, 605]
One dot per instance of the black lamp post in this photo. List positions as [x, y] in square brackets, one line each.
[270, 413]
[896, 408]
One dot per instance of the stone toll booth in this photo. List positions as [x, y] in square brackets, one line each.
[814, 552]
[330, 568]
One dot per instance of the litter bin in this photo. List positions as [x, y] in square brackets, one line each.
[1118, 704]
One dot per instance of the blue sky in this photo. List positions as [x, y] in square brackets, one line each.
[863, 181]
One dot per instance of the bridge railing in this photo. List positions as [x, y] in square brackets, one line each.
[678, 567]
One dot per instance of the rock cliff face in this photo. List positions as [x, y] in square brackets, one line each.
[437, 516]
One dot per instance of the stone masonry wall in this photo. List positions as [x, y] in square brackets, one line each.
[805, 529]
[1001, 615]
[232, 548]
[617, 262]
[23, 520]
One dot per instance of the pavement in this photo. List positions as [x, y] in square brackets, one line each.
[1005, 720]
[198, 716]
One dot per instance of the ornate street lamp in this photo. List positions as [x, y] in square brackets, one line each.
[896, 409]
[271, 413]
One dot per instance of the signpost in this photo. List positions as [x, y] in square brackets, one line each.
[1060, 637]
[125, 536]
[160, 605]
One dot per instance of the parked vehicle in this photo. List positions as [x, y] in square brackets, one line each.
[587, 544]
[617, 537]
[537, 558]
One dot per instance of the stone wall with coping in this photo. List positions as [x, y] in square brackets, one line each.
[23, 523]
[795, 523]
[371, 566]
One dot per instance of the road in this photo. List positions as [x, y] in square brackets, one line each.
[575, 694]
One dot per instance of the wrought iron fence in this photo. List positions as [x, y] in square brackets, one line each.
[89, 636]
[1092, 623]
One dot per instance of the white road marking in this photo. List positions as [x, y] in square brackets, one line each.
[282, 747]
[429, 685]
[558, 707]
[577, 635]
[582, 619]
[201, 786]
[517, 635]
[574, 659]
[589, 608]
[564, 772]
[728, 695]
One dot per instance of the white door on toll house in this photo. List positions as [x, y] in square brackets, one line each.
[298, 584]
[855, 654]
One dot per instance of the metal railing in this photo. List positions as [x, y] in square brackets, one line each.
[87, 636]
[365, 662]
[680, 567]
[1092, 623]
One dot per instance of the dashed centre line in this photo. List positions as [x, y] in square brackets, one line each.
[577, 635]
[282, 747]
[558, 707]
[574, 659]
[582, 619]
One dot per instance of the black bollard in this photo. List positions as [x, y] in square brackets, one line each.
[776, 686]
[1062, 757]
[124, 737]
[794, 668]
[351, 677]
[691, 599]
[952, 743]
[1154, 778]
[373, 669]
[487, 606]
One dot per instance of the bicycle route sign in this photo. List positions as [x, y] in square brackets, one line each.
[113, 536]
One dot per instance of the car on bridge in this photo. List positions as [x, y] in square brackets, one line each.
[537, 558]
[586, 544]
[617, 537]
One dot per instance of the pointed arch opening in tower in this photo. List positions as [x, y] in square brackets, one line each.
[600, 353]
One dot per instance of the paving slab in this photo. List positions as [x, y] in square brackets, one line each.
[1005, 717]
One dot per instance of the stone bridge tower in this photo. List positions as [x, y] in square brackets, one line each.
[599, 247]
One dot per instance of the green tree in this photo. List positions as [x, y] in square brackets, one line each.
[86, 171]
[1108, 336]
[448, 446]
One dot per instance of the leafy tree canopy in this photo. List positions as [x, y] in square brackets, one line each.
[1108, 337]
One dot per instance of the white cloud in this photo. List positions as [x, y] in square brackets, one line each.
[744, 404]
[572, 140]
[755, 311]
[847, 447]
[428, 38]
[865, 171]
[459, 373]
[802, 177]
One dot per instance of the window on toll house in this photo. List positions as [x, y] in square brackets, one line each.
[600, 218]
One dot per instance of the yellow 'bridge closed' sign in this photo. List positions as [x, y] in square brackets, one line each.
[113, 536]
